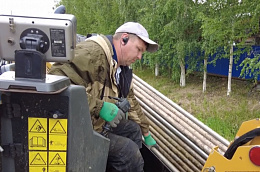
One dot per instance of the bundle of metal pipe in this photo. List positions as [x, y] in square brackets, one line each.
[184, 141]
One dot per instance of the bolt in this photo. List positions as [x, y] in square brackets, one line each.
[55, 115]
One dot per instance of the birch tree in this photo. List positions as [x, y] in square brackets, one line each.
[251, 66]
[177, 34]
[185, 33]
[225, 24]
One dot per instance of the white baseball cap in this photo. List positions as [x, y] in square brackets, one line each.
[141, 32]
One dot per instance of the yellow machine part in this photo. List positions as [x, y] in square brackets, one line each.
[48, 66]
[240, 161]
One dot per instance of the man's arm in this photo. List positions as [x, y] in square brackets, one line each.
[84, 70]
[136, 114]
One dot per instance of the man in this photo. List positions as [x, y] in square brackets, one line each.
[101, 64]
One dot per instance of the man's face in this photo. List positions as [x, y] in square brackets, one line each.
[133, 50]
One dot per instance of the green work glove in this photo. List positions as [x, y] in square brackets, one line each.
[112, 114]
[149, 141]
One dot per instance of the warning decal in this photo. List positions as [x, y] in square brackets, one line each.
[57, 142]
[58, 134]
[37, 142]
[58, 128]
[57, 160]
[57, 169]
[40, 169]
[38, 160]
[37, 133]
[37, 127]
[47, 143]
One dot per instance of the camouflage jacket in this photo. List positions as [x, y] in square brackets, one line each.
[94, 70]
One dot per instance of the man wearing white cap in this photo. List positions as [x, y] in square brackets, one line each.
[101, 64]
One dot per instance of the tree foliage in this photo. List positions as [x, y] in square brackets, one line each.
[187, 31]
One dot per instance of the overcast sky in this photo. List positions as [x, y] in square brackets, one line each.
[26, 7]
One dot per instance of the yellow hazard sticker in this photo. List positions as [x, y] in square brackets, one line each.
[57, 142]
[58, 134]
[57, 169]
[37, 133]
[38, 169]
[47, 142]
[38, 161]
[58, 126]
[57, 162]
[57, 159]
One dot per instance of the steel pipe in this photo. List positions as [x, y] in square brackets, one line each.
[176, 148]
[170, 156]
[170, 148]
[184, 141]
[192, 134]
[180, 118]
[164, 160]
[183, 147]
[174, 130]
[188, 115]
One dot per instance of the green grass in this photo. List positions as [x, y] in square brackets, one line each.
[224, 114]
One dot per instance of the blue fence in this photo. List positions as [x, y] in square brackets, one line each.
[222, 65]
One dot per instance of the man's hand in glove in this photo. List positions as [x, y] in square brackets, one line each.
[149, 141]
[112, 114]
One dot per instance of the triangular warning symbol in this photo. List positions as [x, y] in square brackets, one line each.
[58, 128]
[37, 160]
[57, 160]
[37, 127]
